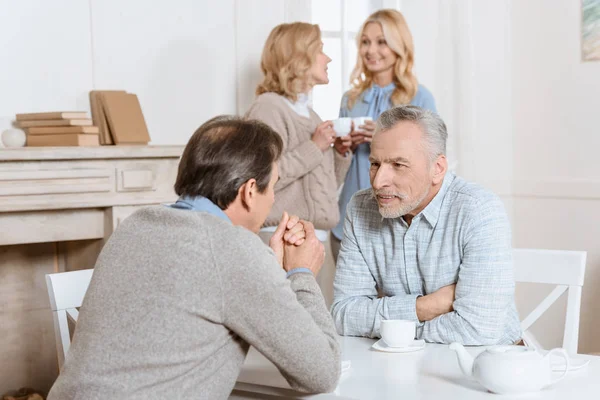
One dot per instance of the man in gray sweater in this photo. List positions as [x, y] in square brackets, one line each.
[180, 293]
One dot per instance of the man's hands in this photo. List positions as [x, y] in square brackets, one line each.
[289, 231]
[296, 245]
[435, 304]
[310, 254]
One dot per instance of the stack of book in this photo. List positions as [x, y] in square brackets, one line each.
[62, 128]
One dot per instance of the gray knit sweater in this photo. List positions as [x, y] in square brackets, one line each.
[308, 177]
[176, 299]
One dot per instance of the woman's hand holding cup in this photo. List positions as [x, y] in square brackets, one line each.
[363, 132]
[342, 128]
[343, 144]
[324, 136]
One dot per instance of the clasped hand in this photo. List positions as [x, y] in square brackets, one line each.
[296, 245]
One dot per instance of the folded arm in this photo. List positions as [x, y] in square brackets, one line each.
[485, 287]
[342, 163]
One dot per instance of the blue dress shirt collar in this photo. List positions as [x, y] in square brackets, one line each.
[200, 204]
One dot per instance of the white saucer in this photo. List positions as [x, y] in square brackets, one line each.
[415, 346]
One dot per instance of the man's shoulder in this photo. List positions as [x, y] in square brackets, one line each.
[235, 247]
[200, 226]
[363, 205]
[237, 241]
[472, 196]
[364, 200]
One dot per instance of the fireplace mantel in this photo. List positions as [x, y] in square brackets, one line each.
[58, 205]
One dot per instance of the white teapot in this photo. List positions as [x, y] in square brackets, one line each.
[510, 369]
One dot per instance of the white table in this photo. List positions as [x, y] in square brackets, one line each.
[432, 373]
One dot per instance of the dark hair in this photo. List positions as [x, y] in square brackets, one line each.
[223, 154]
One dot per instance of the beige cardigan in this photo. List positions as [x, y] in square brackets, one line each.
[308, 177]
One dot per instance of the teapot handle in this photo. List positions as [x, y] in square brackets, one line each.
[565, 355]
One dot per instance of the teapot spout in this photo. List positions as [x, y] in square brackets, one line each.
[465, 360]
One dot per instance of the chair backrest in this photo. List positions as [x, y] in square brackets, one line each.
[66, 291]
[563, 268]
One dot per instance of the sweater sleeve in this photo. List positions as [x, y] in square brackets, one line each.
[342, 163]
[294, 162]
[284, 319]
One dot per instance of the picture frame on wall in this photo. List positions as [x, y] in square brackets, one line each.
[590, 30]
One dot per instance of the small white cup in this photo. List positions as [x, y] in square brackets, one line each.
[342, 126]
[398, 332]
[358, 121]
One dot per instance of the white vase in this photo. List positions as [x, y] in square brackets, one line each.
[14, 138]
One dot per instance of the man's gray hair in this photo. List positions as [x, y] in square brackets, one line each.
[433, 127]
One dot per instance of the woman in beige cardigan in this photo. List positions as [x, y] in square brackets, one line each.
[314, 161]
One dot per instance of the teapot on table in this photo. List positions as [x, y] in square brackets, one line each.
[510, 369]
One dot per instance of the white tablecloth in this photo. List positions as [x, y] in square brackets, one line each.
[431, 373]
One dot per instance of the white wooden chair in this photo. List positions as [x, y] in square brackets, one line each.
[566, 269]
[66, 291]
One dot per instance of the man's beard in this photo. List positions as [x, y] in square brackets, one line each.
[401, 209]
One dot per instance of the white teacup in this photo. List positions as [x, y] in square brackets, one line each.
[398, 332]
[358, 121]
[342, 126]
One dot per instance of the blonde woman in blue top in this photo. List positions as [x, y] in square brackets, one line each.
[382, 78]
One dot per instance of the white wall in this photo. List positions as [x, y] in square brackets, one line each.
[457, 48]
[253, 26]
[556, 180]
[179, 58]
[46, 57]
[254, 21]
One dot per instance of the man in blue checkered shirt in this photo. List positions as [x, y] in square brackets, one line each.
[423, 244]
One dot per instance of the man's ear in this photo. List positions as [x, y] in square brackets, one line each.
[247, 193]
[440, 167]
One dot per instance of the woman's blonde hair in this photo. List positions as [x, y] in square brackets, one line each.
[288, 55]
[398, 38]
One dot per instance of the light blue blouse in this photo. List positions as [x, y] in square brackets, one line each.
[371, 103]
